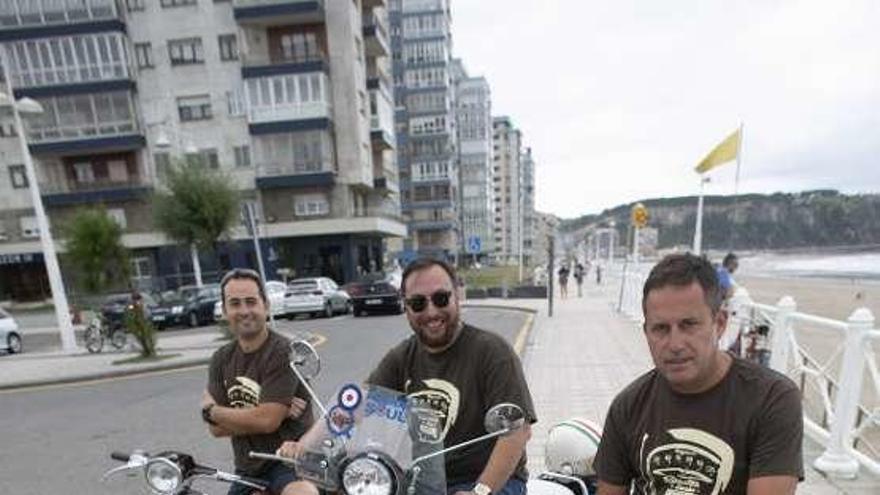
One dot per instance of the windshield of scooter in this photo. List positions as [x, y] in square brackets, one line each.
[367, 442]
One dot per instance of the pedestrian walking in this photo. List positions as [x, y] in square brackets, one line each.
[579, 274]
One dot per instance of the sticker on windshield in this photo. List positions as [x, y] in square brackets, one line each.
[340, 421]
[350, 397]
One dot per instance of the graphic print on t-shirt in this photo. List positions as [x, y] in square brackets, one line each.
[444, 399]
[243, 393]
[686, 461]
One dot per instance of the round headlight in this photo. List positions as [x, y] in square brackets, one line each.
[366, 475]
[163, 476]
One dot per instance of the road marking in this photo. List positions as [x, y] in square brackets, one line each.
[520, 342]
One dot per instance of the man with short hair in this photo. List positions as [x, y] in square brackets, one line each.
[725, 274]
[462, 371]
[702, 421]
[253, 396]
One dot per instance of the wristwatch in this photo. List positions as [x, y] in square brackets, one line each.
[206, 415]
[482, 489]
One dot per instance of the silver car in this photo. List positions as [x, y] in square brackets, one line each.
[10, 339]
[315, 296]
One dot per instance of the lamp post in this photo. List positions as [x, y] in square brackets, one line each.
[50, 258]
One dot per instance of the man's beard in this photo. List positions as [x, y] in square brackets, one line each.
[442, 340]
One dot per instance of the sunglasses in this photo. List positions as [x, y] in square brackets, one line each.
[419, 303]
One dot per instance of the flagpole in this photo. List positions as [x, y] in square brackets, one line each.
[736, 189]
[698, 230]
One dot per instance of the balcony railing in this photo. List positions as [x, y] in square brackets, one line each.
[424, 5]
[277, 169]
[264, 3]
[67, 187]
[38, 135]
[291, 111]
[263, 60]
[68, 60]
[27, 13]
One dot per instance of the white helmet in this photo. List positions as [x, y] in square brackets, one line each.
[571, 447]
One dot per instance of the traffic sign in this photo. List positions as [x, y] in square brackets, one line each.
[474, 244]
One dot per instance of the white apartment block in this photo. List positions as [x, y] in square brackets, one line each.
[293, 99]
[474, 116]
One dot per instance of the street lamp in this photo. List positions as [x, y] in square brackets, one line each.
[50, 258]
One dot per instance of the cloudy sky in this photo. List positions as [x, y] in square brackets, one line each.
[619, 99]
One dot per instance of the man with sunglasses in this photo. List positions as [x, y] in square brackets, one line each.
[253, 395]
[460, 371]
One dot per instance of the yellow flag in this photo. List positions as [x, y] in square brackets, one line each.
[723, 153]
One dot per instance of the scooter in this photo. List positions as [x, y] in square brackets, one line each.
[173, 473]
[376, 441]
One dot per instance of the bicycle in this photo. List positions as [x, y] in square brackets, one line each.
[97, 331]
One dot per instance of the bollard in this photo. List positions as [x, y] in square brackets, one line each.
[781, 332]
[837, 459]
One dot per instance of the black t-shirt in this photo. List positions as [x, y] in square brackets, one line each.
[477, 372]
[241, 380]
[749, 425]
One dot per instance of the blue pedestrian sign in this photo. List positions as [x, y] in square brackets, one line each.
[474, 245]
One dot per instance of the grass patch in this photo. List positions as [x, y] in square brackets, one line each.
[492, 276]
[141, 359]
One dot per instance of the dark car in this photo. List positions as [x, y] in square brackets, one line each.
[169, 311]
[199, 308]
[374, 295]
[115, 305]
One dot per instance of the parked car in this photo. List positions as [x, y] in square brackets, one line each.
[115, 305]
[169, 311]
[315, 296]
[374, 294]
[10, 339]
[199, 308]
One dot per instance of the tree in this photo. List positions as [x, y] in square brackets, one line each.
[198, 208]
[101, 261]
[94, 247]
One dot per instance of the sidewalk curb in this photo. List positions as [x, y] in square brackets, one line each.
[499, 306]
[103, 375]
[519, 343]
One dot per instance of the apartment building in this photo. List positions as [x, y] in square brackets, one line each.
[474, 119]
[425, 123]
[507, 185]
[292, 99]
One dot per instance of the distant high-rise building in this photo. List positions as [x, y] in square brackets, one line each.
[425, 118]
[293, 100]
[474, 123]
[507, 181]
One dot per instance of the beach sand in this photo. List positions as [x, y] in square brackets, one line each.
[831, 298]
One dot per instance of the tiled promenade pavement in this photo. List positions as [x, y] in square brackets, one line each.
[577, 361]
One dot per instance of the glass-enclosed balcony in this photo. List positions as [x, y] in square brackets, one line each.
[381, 119]
[376, 40]
[288, 97]
[300, 159]
[64, 60]
[86, 117]
[34, 13]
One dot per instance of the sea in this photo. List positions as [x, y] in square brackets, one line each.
[864, 265]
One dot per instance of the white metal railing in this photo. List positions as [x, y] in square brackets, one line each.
[424, 5]
[258, 3]
[20, 13]
[629, 295]
[290, 111]
[272, 169]
[835, 364]
[86, 131]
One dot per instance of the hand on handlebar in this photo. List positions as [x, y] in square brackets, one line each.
[290, 449]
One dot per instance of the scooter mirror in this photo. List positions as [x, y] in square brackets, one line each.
[304, 358]
[504, 418]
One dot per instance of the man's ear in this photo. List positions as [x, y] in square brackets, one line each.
[721, 322]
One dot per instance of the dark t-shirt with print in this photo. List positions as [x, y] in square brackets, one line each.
[477, 372]
[241, 380]
[664, 442]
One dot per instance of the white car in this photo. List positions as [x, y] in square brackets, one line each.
[10, 339]
[315, 296]
[274, 292]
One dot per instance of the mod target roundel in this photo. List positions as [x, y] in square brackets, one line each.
[350, 397]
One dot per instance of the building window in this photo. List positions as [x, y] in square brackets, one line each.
[176, 3]
[18, 176]
[29, 227]
[309, 205]
[162, 161]
[193, 108]
[135, 5]
[118, 216]
[206, 157]
[228, 47]
[186, 51]
[143, 54]
[242, 156]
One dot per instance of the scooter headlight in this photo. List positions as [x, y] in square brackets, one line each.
[367, 475]
[163, 476]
